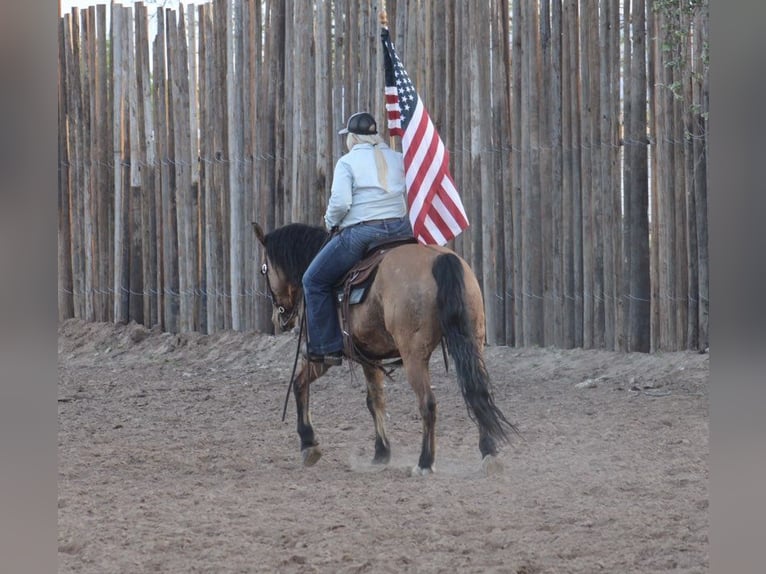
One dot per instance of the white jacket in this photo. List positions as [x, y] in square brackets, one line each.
[357, 195]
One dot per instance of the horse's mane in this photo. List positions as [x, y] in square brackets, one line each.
[293, 247]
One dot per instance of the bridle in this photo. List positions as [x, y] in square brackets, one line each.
[284, 316]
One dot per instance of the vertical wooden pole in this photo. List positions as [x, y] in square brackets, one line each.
[589, 71]
[120, 139]
[568, 114]
[636, 245]
[469, 240]
[504, 142]
[147, 158]
[678, 181]
[165, 147]
[557, 241]
[135, 199]
[76, 168]
[103, 111]
[516, 183]
[699, 151]
[195, 187]
[236, 143]
[212, 278]
[323, 104]
[187, 252]
[544, 105]
[499, 125]
[608, 16]
[65, 298]
[89, 158]
[578, 292]
[692, 258]
[532, 270]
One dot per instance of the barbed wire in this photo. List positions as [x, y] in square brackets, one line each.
[255, 293]
[254, 158]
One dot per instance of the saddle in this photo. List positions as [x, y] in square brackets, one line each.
[354, 286]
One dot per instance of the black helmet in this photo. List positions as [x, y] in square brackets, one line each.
[360, 123]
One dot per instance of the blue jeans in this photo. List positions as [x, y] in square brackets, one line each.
[328, 267]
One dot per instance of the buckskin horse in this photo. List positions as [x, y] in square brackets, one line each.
[420, 295]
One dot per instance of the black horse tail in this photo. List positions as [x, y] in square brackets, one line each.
[465, 350]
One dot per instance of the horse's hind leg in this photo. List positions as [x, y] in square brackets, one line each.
[376, 403]
[487, 444]
[310, 451]
[420, 381]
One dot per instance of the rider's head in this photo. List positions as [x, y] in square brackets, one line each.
[361, 123]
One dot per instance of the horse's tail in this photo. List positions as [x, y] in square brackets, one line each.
[464, 349]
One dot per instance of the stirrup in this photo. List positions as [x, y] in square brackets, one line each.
[330, 359]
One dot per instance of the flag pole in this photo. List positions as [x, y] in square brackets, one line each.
[383, 19]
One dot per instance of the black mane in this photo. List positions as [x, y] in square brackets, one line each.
[293, 247]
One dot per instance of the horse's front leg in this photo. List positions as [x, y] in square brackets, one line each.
[376, 404]
[310, 451]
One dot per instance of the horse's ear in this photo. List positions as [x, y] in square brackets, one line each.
[259, 233]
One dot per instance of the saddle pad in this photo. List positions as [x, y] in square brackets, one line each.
[356, 296]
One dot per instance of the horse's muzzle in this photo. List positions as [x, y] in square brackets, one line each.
[283, 319]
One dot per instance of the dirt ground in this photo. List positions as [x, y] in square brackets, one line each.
[173, 458]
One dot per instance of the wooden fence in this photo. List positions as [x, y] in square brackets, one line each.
[576, 128]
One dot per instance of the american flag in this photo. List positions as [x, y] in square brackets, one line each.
[436, 211]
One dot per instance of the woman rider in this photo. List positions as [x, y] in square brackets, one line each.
[367, 203]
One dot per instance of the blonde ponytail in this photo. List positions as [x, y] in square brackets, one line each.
[380, 160]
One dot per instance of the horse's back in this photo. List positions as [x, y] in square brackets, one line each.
[412, 266]
[402, 299]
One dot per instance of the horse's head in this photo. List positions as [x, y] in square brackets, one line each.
[286, 298]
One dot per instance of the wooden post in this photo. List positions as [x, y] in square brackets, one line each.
[544, 106]
[103, 138]
[147, 157]
[568, 114]
[134, 232]
[516, 182]
[498, 125]
[75, 171]
[503, 129]
[532, 270]
[89, 156]
[236, 144]
[119, 81]
[65, 298]
[163, 120]
[325, 126]
[557, 286]
[209, 110]
[699, 151]
[636, 245]
[177, 51]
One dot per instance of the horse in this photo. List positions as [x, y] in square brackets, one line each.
[420, 296]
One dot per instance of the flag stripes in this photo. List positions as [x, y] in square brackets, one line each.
[436, 210]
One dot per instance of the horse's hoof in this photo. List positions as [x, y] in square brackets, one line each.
[491, 465]
[417, 471]
[382, 458]
[311, 455]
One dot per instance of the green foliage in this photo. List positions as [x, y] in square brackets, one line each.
[678, 20]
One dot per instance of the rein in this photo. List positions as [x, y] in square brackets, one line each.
[295, 363]
[281, 310]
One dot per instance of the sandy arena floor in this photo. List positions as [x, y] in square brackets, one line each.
[173, 458]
